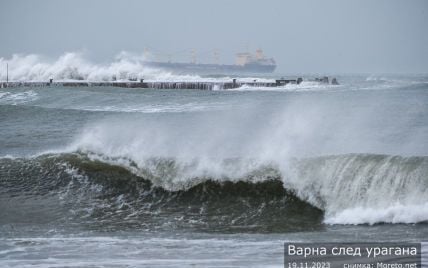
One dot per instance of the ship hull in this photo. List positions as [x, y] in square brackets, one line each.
[212, 68]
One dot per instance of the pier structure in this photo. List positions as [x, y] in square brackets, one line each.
[157, 84]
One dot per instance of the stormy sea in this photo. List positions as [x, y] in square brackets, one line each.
[123, 177]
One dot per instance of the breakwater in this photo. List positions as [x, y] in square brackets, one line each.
[161, 84]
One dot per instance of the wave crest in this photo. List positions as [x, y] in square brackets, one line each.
[365, 188]
[96, 194]
[350, 189]
[74, 66]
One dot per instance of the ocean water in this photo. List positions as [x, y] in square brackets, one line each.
[116, 177]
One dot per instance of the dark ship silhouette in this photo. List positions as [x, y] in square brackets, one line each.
[245, 63]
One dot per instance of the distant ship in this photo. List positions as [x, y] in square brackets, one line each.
[245, 63]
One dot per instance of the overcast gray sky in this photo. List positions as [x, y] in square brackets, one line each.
[333, 36]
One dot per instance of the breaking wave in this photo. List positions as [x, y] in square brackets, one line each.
[161, 192]
[74, 66]
[74, 188]
[180, 155]
[365, 188]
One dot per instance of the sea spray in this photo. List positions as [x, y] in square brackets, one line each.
[364, 188]
[336, 184]
[74, 66]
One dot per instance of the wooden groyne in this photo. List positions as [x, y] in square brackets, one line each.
[156, 84]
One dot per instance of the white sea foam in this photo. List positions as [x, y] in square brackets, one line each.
[140, 250]
[74, 66]
[376, 78]
[18, 97]
[395, 213]
[358, 189]
[304, 86]
[389, 82]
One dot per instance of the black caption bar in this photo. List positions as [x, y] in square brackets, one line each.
[352, 255]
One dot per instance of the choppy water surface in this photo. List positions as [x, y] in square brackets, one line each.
[114, 177]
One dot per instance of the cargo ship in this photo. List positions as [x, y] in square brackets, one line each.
[245, 63]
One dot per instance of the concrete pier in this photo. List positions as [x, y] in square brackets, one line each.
[157, 84]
